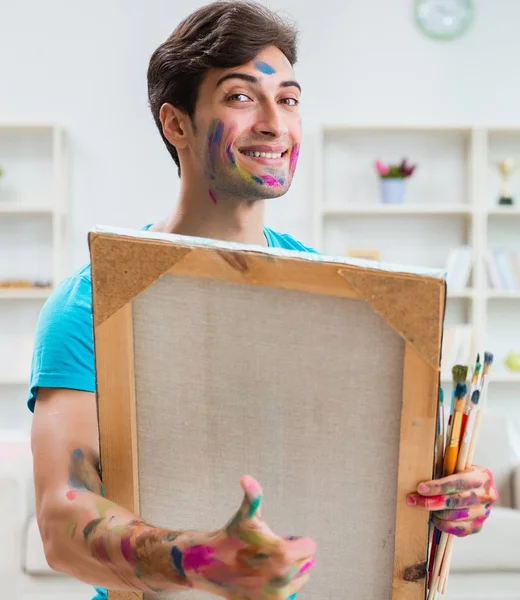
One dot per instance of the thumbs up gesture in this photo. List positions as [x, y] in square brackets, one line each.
[245, 560]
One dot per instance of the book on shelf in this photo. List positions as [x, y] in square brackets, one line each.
[458, 268]
[458, 346]
[503, 266]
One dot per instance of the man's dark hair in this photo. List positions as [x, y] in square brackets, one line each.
[224, 34]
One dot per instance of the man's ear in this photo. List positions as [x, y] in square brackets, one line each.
[175, 124]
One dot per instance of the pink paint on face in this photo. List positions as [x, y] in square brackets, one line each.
[71, 494]
[213, 197]
[270, 180]
[295, 153]
[196, 557]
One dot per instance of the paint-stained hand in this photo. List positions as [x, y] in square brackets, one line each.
[460, 503]
[245, 560]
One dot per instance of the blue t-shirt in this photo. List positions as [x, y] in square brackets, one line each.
[63, 354]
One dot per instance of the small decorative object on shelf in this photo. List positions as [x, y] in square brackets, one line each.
[506, 169]
[393, 178]
[23, 283]
[512, 361]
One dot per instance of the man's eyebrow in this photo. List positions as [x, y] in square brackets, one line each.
[254, 80]
[291, 83]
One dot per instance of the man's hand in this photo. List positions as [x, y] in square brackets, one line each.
[460, 503]
[245, 560]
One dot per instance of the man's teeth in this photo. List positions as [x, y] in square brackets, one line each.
[264, 154]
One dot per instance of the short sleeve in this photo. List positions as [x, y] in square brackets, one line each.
[63, 355]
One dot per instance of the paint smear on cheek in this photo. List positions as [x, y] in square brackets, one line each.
[264, 67]
[295, 153]
[71, 495]
[215, 132]
[213, 197]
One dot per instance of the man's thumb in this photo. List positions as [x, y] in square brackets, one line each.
[252, 497]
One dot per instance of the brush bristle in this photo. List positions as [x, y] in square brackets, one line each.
[460, 373]
[475, 397]
[488, 358]
[478, 358]
[460, 390]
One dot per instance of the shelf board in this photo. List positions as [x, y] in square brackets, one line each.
[398, 209]
[467, 293]
[22, 208]
[504, 377]
[503, 294]
[494, 377]
[24, 293]
[26, 126]
[331, 128]
[503, 211]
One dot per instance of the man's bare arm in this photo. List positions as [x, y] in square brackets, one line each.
[98, 542]
[85, 535]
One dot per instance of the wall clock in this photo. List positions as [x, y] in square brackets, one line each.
[444, 19]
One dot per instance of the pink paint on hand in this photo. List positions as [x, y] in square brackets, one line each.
[308, 565]
[127, 550]
[196, 557]
[71, 494]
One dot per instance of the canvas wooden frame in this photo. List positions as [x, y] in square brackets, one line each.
[124, 263]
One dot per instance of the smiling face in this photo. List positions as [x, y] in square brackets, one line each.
[247, 135]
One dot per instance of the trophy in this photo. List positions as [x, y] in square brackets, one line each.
[506, 168]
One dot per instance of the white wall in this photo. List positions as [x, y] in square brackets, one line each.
[84, 65]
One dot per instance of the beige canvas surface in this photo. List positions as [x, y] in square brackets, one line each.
[302, 391]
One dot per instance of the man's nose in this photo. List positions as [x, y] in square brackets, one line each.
[270, 121]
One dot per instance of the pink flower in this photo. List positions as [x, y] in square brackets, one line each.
[381, 168]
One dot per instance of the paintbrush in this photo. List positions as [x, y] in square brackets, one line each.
[459, 374]
[478, 399]
[462, 464]
[450, 462]
[452, 446]
[441, 434]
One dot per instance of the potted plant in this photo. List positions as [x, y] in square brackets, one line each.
[392, 178]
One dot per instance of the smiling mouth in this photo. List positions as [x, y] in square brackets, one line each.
[264, 155]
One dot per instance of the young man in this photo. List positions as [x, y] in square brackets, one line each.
[225, 99]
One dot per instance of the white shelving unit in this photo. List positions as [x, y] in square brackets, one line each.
[451, 200]
[33, 200]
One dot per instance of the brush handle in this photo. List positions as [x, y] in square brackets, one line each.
[468, 448]
[473, 444]
[462, 458]
[446, 563]
[432, 594]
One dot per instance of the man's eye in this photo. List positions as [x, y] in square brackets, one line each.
[239, 97]
[291, 101]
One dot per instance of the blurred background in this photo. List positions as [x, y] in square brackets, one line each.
[430, 82]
